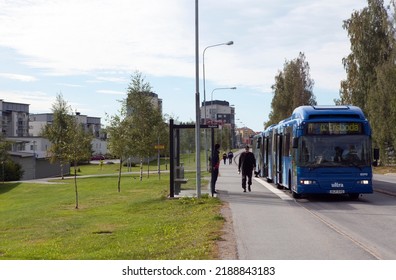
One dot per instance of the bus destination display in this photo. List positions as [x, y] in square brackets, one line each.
[334, 128]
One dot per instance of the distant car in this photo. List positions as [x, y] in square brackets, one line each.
[97, 157]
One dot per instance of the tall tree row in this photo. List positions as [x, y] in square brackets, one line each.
[371, 38]
[371, 69]
[293, 87]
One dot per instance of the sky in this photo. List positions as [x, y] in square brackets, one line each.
[88, 51]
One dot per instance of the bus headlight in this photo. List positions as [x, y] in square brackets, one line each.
[363, 182]
[307, 182]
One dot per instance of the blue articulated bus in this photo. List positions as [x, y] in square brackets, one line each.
[318, 150]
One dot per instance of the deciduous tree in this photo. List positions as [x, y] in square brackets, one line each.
[57, 131]
[293, 87]
[370, 69]
[372, 38]
[78, 148]
[145, 118]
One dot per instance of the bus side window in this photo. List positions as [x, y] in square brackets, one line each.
[295, 142]
[305, 155]
[258, 145]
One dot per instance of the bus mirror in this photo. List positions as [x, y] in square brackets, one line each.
[375, 156]
[295, 142]
[376, 153]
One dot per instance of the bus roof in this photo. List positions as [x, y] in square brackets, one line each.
[325, 112]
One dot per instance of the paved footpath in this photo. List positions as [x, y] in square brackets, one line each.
[247, 224]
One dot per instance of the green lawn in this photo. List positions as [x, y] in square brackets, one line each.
[39, 221]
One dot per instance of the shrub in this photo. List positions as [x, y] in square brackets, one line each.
[11, 171]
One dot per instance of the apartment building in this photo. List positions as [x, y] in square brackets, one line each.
[218, 112]
[29, 148]
[14, 119]
[38, 121]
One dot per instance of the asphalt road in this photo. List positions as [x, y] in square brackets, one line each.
[270, 225]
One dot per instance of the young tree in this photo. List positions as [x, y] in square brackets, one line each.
[293, 87]
[146, 119]
[78, 148]
[5, 146]
[119, 140]
[57, 131]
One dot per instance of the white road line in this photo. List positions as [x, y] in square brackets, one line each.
[273, 189]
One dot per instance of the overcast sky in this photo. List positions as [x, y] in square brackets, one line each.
[88, 50]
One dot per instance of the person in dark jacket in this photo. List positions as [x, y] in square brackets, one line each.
[247, 162]
[215, 163]
[225, 158]
[230, 156]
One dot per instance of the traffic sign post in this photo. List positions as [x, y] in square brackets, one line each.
[159, 147]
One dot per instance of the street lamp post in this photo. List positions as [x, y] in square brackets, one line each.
[204, 90]
[211, 102]
[203, 70]
[197, 110]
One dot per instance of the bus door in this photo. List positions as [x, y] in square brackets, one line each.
[279, 153]
[258, 154]
[287, 164]
[265, 156]
[271, 157]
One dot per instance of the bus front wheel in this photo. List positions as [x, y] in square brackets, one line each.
[354, 196]
[295, 195]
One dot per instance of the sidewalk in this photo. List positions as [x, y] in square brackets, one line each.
[229, 181]
[228, 175]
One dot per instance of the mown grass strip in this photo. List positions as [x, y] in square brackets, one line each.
[39, 221]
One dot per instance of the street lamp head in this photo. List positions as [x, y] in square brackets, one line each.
[233, 88]
[230, 43]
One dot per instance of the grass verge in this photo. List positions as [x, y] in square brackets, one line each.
[39, 221]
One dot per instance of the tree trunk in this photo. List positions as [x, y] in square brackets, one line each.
[119, 176]
[148, 167]
[141, 169]
[61, 169]
[75, 183]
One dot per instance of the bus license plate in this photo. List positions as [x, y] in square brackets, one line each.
[337, 191]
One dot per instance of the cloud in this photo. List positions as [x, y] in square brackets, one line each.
[157, 37]
[36, 99]
[111, 92]
[80, 36]
[18, 77]
[70, 85]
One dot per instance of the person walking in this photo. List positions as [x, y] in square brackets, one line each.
[225, 158]
[215, 163]
[247, 162]
[230, 156]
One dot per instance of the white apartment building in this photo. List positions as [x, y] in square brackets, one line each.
[38, 121]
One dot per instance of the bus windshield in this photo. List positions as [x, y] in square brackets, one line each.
[334, 151]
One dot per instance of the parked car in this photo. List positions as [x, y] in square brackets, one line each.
[97, 157]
